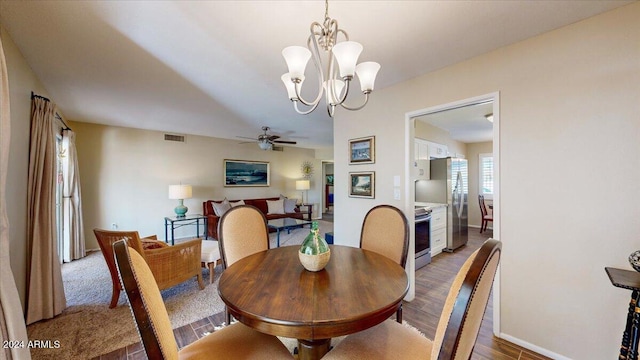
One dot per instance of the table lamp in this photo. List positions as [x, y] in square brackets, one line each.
[180, 192]
[303, 185]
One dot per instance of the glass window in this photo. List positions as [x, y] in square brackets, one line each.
[486, 175]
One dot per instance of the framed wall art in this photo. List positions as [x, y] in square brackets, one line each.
[362, 150]
[362, 184]
[246, 173]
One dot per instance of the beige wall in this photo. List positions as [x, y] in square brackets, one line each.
[22, 81]
[473, 150]
[125, 174]
[568, 121]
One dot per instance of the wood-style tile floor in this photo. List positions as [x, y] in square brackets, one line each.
[432, 285]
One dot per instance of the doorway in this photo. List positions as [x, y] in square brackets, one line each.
[327, 190]
[437, 117]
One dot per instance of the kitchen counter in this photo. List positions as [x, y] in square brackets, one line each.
[429, 206]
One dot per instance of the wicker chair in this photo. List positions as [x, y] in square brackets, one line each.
[236, 341]
[242, 231]
[170, 265]
[457, 330]
[385, 230]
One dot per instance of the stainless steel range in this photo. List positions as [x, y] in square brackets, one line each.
[423, 232]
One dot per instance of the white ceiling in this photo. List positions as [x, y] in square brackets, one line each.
[467, 124]
[213, 68]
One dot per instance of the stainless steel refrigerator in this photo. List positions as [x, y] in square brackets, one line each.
[449, 185]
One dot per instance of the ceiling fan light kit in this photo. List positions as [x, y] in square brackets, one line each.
[342, 66]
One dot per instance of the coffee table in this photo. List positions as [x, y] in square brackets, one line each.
[285, 224]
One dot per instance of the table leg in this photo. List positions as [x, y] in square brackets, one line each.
[197, 228]
[313, 349]
[166, 235]
[629, 339]
[206, 228]
[173, 234]
[277, 237]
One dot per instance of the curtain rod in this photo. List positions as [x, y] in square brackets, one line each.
[66, 127]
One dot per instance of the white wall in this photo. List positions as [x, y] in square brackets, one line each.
[569, 152]
[125, 174]
[22, 81]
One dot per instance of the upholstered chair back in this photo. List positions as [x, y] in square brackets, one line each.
[466, 303]
[242, 232]
[146, 304]
[385, 230]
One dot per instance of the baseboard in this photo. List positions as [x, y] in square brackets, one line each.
[532, 347]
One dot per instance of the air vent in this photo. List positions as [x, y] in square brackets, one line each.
[172, 137]
[277, 148]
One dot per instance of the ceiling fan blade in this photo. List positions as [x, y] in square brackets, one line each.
[273, 137]
[285, 142]
[247, 142]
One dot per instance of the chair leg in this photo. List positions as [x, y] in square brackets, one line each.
[399, 315]
[114, 297]
[227, 315]
[212, 272]
[200, 282]
[481, 226]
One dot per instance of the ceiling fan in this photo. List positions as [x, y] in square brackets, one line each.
[265, 141]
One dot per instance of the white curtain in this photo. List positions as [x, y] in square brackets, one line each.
[73, 229]
[45, 296]
[12, 326]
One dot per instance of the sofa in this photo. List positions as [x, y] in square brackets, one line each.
[211, 209]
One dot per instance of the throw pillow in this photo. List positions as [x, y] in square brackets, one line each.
[275, 206]
[290, 205]
[221, 207]
[236, 203]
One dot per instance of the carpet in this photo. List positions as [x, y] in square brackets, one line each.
[88, 328]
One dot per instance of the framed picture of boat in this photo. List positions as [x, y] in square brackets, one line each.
[238, 173]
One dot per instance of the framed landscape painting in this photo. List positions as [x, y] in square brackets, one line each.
[362, 150]
[246, 173]
[362, 184]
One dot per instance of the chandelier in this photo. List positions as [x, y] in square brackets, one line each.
[341, 66]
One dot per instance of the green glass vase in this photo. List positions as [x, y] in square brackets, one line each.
[314, 252]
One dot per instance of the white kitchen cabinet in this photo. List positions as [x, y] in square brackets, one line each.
[421, 149]
[438, 151]
[438, 234]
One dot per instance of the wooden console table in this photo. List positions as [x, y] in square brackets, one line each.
[629, 280]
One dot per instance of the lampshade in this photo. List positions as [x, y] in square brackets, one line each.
[347, 53]
[296, 58]
[180, 192]
[303, 185]
[367, 72]
[291, 86]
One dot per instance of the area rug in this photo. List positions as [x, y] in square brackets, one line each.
[88, 328]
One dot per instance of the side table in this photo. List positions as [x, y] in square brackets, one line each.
[175, 222]
[629, 280]
[309, 210]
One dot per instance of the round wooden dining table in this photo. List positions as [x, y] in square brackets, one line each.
[271, 292]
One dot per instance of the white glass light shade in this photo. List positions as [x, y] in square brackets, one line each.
[303, 185]
[265, 145]
[297, 58]
[367, 72]
[338, 85]
[291, 87]
[346, 54]
[180, 192]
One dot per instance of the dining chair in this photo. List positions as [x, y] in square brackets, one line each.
[486, 217]
[457, 329]
[235, 341]
[242, 231]
[385, 230]
[170, 265]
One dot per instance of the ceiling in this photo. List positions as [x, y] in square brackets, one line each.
[213, 68]
[467, 124]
